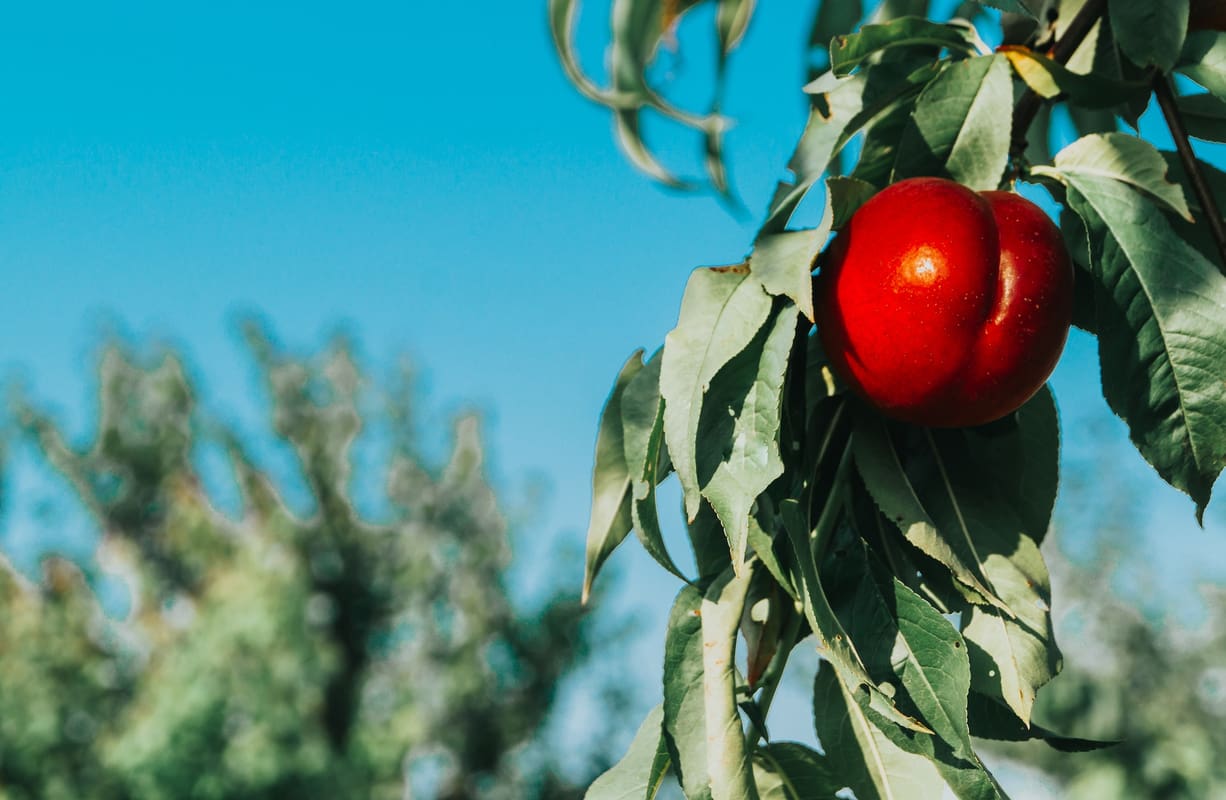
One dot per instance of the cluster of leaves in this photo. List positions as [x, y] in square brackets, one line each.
[296, 649]
[1148, 681]
[908, 557]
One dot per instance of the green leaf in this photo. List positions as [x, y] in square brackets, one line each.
[1022, 455]
[831, 20]
[751, 459]
[1051, 80]
[860, 755]
[610, 517]
[1012, 647]
[1161, 344]
[728, 765]
[1012, 6]
[961, 125]
[641, 771]
[1150, 34]
[880, 464]
[722, 310]
[990, 719]
[845, 196]
[1204, 115]
[905, 640]
[948, 502]
[902, 638]
[638, 27]
[684, 704]
[851, 51]
[844, 106]
[833, 642]
[1120, 157]
[642, 412]
[791, 771]
[783, 262]
[1204, 60]
[709, 542]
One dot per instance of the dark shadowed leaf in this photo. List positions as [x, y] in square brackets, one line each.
[860, 755]
[903, 639]
[1150, 34]
[1204, 115]
[642, 412]
[991, 719]
[610, 516]
[721, 312]
[641, 771]
[791, 771]
[1050, 79]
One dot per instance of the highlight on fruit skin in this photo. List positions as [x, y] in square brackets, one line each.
[945, 307]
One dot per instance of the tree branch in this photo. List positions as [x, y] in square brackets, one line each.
[1030, 103]
[1204, 195]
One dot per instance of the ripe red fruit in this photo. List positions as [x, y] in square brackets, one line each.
[942, 306]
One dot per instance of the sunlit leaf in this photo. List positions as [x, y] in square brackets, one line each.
[852, 50]
[903, 639]
[749, 391]
[1120, 157]
[1012, 6]
[960, 127]
[641, 770]
[722, 310]
[1204, 60]
[1050, 79]
[610, 516]
[1160, 343]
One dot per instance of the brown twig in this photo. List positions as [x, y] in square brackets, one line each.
[1030, 103]
[1179, 132]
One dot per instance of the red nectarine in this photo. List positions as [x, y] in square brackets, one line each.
[942, 306]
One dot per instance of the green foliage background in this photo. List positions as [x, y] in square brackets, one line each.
[275, 654]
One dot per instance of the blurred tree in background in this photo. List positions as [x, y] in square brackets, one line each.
[270, 653]
[1140, 668]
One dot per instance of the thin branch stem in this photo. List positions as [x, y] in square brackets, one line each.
[1028, 106]
[1204, 195]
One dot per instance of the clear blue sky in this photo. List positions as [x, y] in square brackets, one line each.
[420, 174]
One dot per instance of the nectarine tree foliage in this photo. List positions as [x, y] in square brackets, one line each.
[823, 510]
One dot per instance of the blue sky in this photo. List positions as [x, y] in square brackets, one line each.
[418, 174]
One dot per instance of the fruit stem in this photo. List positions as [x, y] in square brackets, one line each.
[1028, 106]
[1191, 166]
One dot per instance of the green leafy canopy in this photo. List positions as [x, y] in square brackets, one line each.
[908, 558]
